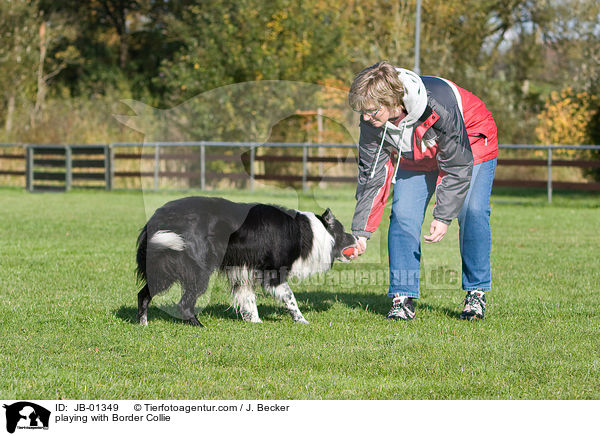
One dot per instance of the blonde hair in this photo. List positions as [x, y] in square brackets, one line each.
[376, 86]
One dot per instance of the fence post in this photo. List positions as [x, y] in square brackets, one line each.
[549, 175]
[69, 168]
[156, 165]
[202, 166]
[108, 171]
[304, 167]
[29, 168]
[112, 166]
[320, 139]
[252, 155]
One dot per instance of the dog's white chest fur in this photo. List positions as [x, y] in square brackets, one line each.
[319, 258]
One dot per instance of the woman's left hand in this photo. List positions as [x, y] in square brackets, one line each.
[437, 230]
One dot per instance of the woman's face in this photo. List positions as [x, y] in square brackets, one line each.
[376, 116]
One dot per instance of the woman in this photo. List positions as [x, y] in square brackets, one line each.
[426, 135]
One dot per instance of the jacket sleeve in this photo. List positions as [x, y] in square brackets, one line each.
[371, 193]
[455, 161]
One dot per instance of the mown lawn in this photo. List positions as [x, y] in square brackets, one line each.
[68, 305]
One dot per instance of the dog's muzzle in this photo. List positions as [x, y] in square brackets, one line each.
[349, 251]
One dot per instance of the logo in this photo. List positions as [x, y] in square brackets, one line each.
[25, 415]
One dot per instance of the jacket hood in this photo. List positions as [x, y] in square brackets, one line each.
[415, 99]
[415, 95]
[415, 102]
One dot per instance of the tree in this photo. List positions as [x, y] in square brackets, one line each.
[571, 118]
[18, 42]
[565, 119]
[106, 14]
[380, 30]
[53, 32]
[121, 43]
[247, 40]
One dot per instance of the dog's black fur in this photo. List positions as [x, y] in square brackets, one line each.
[186, 240]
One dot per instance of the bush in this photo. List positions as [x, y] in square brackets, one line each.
[571, 118]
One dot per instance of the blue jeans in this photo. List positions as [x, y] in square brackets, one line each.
[412, 192]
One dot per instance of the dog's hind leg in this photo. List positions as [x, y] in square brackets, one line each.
[284, 293]
[187, 305]
[192, 289]
[144, 299]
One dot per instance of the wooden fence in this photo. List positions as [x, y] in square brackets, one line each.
[61, 167]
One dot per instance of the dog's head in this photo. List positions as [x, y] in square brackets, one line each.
[342, 240]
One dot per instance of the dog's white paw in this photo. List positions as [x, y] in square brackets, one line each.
[301, 321]
[253, 319]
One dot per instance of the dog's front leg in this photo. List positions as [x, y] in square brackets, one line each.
[285, 294]
[244, 301]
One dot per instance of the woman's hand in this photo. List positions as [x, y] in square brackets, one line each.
[361, 246]
[437, 230]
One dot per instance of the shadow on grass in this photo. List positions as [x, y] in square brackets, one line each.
[221, 311]
[308, 301]
[449, 312]
[322, 301]
[129, 314]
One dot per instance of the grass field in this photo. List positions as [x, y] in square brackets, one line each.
[68, 305]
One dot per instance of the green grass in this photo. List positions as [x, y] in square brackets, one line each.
[68, 304]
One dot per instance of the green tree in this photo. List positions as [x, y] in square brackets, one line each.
[122, 43]
[18, 48]
[233, 42]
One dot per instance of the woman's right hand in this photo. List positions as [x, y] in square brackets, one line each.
[361, 244]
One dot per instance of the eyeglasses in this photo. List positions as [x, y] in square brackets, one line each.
[371, 113]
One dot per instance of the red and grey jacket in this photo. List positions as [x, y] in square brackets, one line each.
[453, 132]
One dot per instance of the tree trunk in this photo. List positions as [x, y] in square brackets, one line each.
[10, 110]
[117, 13]
[123, 49]
[41, 81]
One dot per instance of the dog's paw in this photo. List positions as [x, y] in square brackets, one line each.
[301, 321]
[193, 321]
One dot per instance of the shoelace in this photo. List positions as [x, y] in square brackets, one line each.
[401, 309]
[474, 301]
[397, 306]
[399, 303]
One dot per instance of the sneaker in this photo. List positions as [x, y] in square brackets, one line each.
[474, 306]
[402, 308]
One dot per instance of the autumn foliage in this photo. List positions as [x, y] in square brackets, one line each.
[565, 118]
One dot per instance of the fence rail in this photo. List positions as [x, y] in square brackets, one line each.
[65, 165]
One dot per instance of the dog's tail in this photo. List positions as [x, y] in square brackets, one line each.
[161, 240]
[142, 247]
[167, 240]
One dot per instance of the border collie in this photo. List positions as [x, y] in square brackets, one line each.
[186, 240]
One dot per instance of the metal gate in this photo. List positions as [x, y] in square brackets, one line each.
[57, 168]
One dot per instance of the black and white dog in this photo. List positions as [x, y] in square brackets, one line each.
[186, 240]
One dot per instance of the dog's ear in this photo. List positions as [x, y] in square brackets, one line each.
[328, 216]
